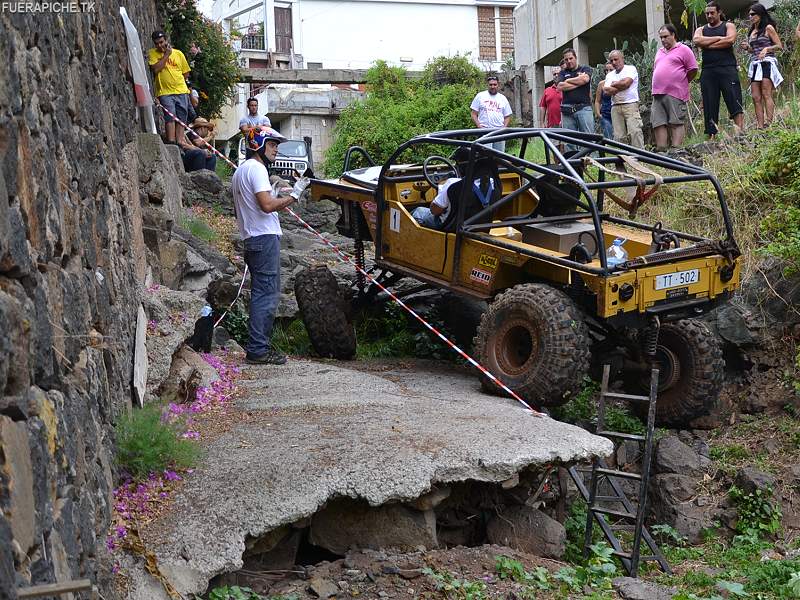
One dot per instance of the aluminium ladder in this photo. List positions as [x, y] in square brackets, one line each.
[597, 509]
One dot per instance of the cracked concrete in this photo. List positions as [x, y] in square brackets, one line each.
[320, 430]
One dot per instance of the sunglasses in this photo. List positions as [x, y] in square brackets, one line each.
[752, 14]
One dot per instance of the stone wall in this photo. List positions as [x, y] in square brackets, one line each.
[72, 262]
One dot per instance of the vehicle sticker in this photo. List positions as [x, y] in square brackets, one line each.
[480, 276]
[394, 220]
[488, 261]
[370, 206]
[677, 292]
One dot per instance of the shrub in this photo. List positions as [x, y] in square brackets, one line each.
[215, 69]
[397, 109]
[758, 514]
[146, 443]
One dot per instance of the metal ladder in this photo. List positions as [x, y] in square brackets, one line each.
[601, 471]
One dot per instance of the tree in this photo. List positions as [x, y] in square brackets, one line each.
[397, 109]
[215, 68]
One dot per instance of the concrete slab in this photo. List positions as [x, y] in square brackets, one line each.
[321, 430]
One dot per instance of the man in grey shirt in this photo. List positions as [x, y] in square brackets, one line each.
[252, 118]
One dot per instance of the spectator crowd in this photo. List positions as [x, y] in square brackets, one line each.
[175, 93]
[614, 107]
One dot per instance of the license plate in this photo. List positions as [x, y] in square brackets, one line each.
[671, 280]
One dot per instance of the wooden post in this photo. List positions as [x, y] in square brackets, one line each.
[53, 589]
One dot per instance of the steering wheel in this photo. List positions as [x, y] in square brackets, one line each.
[435, 178]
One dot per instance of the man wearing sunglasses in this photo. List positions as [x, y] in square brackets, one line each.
[719, 75]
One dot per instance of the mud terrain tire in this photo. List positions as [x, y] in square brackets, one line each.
[533, 338]
[693, 390]
[325, 313]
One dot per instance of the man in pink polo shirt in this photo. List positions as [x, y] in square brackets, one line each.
[675, 66]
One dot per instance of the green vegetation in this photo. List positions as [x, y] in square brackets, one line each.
[146, 443]
[235, 322]
[199, 228]
[758, 515]
[582, 409]
[397, 109]
[215, 69]
[737, 568]
[508, 568]
[235, 592]
[289, 338]
[458, 589]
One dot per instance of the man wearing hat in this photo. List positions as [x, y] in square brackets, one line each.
[257, 205]
[490, 109]
[195, 146]
[170, 71]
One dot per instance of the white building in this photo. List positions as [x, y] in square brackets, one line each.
[352, 34]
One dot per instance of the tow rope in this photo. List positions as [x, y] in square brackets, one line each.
[348, 259]
[632, 202]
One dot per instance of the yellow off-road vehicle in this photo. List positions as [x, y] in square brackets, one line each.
[531, 239]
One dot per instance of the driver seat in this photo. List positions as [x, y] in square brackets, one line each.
[486, 177]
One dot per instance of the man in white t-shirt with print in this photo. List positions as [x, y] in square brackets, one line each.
[490, 109]
[622, 84]
[256, 214]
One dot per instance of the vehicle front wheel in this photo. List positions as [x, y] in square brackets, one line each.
[534, 340]
[325, 313]
[691, 372]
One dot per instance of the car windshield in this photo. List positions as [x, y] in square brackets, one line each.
[293, 148]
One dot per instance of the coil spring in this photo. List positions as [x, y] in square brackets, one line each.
[650, 338]
[361, 280]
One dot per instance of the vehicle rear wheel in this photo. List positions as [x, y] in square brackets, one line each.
[325, 312]
[534, 340]
[691, 372]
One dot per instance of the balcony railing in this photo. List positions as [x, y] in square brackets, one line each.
[253, 42]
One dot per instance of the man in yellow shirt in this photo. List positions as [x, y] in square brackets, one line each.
[170, 71]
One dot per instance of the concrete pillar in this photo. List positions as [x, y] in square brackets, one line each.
[654, 10]
[537, 91]
[581, 47]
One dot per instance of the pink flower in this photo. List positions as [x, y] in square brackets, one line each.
[172, 476]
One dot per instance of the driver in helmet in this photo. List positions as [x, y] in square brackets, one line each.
[257, 205]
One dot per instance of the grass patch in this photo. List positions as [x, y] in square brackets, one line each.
[200, 229]
[737, 567]
[147, 444]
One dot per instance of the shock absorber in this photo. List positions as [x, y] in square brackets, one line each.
[361, 281]
[650, 339]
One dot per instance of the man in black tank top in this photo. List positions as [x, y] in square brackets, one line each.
[718, 73]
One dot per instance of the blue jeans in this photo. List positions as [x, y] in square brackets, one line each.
[426, 218]
[606, 128]
[263, 258]
[583, 120]
[195, 159]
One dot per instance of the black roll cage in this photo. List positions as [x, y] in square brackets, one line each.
[606, 152]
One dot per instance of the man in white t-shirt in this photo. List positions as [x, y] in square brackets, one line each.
[252, 118]
[439, 210]
[490, 109]
[622, 84]
[256, 214]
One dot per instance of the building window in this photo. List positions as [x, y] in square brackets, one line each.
[486, 38]
[506, 33]
[495, 33]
